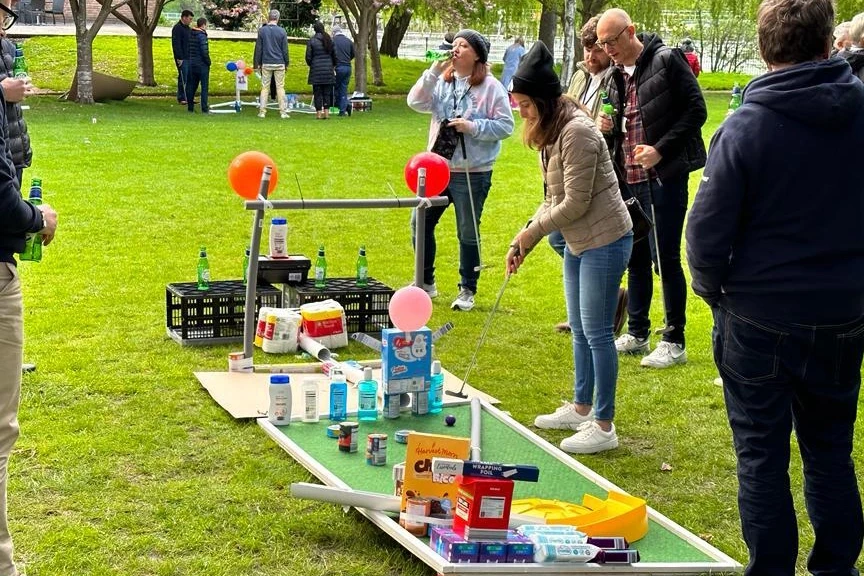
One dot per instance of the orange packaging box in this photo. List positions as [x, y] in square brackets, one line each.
[482, 503]
[420, 482]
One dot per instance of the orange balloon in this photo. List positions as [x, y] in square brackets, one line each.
[244, 174]
[247, 71]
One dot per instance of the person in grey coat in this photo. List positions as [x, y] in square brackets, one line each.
[322, 76]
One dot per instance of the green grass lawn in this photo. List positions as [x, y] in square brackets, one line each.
[126, 466]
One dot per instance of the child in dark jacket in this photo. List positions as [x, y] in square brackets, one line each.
[199, 67]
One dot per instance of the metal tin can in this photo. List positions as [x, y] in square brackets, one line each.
[398, 478]
[333, 431]
[348, 436]
[417, 507]
[391, 406]
[402, 436]
[419, 403]
[376, 449]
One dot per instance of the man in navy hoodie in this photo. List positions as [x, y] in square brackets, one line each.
[775, 243]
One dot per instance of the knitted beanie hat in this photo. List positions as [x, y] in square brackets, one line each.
[477, 41]
[535, 75]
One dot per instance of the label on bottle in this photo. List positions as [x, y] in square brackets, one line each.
[319, 273]
[311, 405]
[205, 274]
[337, 404]
[368, 402]
[362, 273]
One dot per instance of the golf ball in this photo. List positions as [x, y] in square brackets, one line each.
[450, 420]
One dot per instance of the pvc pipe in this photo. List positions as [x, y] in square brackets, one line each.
[412, 202]
[475, 429]
[249, 321]
[420, 228]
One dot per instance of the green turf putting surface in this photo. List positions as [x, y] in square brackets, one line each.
[499, 443]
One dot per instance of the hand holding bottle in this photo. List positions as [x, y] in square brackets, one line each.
[16, 89]
[50, 228]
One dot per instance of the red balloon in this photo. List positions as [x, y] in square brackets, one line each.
[437, 173]
[244, 174]
[247, 71]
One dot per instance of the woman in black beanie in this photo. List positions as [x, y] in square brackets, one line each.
[583, 202]
[468, 106]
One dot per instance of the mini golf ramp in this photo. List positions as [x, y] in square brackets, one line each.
[667, 548]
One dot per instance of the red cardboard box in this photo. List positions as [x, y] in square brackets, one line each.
[482, 503]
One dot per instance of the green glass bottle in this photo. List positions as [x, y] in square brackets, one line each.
[246, 265]
[735, 101]
[438, 55]
[606, 104]
[321, 269]
[203, 270]
[33, 247]
[362, 268]
[19, 65]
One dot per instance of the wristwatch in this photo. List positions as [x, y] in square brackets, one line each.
[41, 220]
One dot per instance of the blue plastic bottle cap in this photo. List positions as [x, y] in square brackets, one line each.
[278, 221]
[280, 379]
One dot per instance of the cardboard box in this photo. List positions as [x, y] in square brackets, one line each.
[419, 480]
[492, 552]
[524, 472]
[406, 360]
[519, 548]
[453, 547]
[482, 503]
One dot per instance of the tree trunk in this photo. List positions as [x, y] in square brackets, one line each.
[377, 73]
[395, 30]
[569, 38]
[590, 8]
[84, 69]
[361, 44]
[548, 26]
[84, 43]
[145, 59]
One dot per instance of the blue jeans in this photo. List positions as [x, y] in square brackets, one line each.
[343, 75]
[182, 80]
[591, 282]
[779, 376]
[670, 207]
[556, 241]
[469, 254]
[198, 73]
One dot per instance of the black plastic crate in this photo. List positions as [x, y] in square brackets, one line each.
[214, 316]
[365, 308]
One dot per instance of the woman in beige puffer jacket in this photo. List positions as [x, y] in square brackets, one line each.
[583, 202]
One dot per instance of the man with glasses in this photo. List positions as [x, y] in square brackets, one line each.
[17, 218]
[663, 116]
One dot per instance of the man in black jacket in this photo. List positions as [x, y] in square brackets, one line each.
[775, 243]
[199, 67]
[180, 35]
[663, 116]
[343, 51]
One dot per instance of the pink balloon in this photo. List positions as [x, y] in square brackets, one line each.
[410, 308]
[241, 64]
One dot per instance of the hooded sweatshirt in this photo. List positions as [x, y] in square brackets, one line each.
[487, 105]
[777, 228]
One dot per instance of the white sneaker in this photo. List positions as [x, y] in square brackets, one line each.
[430, 289]
[718, 381]
[590, 439]
[465, 300]
[284, 115]
[629, 344]
[665, 355]
[262, 114]
[564, 418]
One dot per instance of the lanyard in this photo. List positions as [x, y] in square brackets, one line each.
[586, 97]
[464, 94]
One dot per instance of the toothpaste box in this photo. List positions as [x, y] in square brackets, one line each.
[492, 552]
[453, 547]
[406, 360]
[520, 549]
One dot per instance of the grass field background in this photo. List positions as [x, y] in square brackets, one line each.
[126, 466]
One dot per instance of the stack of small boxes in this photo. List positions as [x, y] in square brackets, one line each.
[406, 368]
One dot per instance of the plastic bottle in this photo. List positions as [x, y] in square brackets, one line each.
[19, 65]
[321, 269]
[279, 412]
[279, 238]
[310, 400]
[338, 396]
[33, 247]
[367, 403]
[606, 104]
[438, 55]
[735, 101]
[362, 269]
[436, 390]
[246, 265]
[203, 270]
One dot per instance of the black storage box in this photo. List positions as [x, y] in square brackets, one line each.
[214, 316]
[365, 308]
[293, 270]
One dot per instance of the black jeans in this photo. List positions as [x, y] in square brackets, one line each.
[322, 96]
[670, 207]
[778, 376]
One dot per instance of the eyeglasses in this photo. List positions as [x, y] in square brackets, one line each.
[9, 17]
[612, 42]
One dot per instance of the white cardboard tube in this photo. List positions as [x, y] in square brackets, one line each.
[475, 429]
[314, 348]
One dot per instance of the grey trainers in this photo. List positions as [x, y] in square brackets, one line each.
[262, 114]
[590, 439]
[430, 289]
[465, 300]
[564, 418]
[629, 344]
[665, 355]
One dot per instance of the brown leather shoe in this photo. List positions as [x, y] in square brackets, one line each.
[562, 327]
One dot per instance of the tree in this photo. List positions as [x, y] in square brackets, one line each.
[84, 42]
[394, 30]
[548, 26]
[143, 20]
[361, 17]
[567, 63]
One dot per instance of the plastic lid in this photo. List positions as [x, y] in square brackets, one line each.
[36, 182]
[367, 373]
[436, 367]
[280, 379]
[278, 221]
